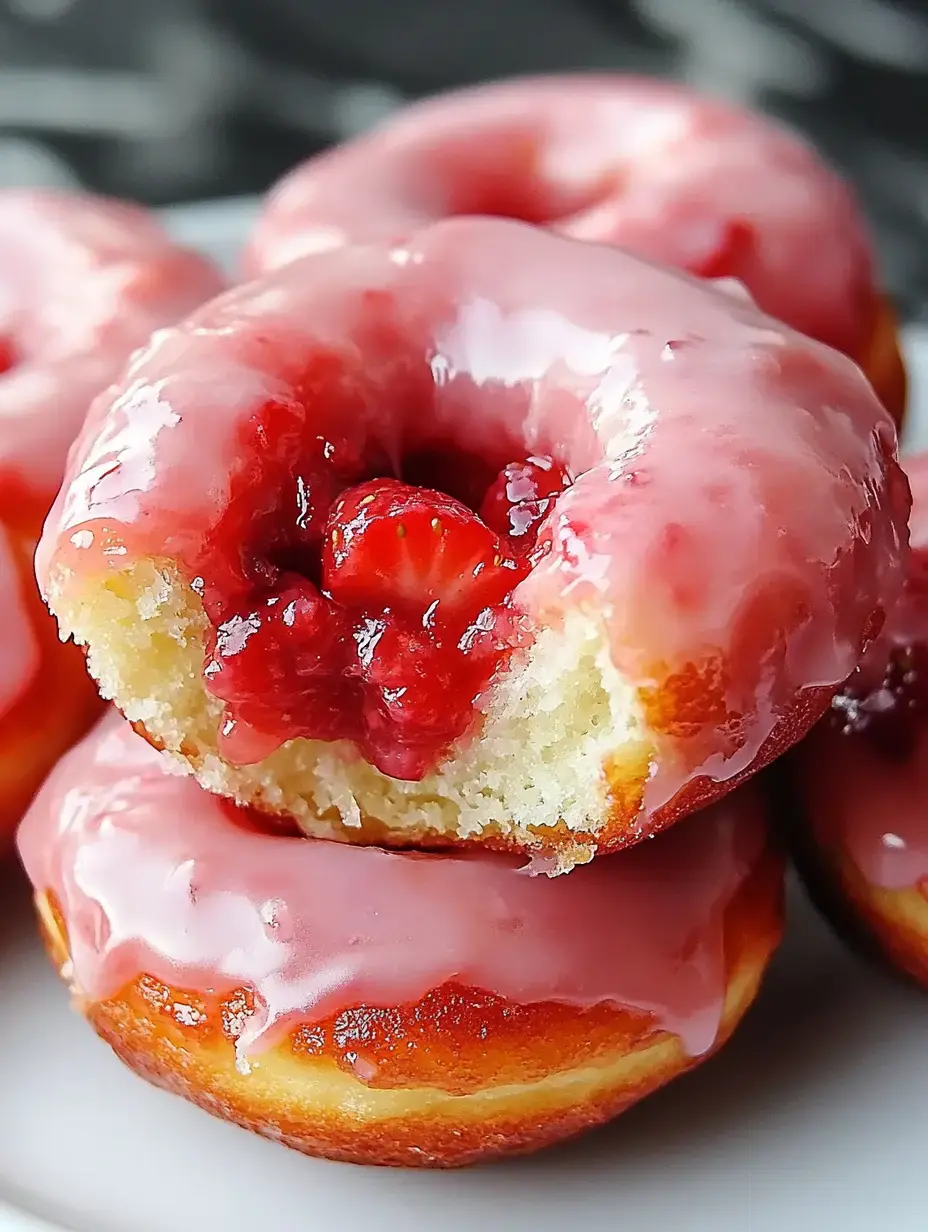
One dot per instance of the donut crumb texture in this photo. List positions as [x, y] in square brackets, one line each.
[562, 747]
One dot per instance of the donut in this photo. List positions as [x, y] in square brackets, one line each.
[496, 537]
[390, 1007]
[862, 777]
[83, 283]
[668, 173]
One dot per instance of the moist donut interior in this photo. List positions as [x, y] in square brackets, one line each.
[562, 731]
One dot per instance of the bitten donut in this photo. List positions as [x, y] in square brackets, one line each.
[83, 283]
[862, 832]
[686, 180]
[390, 1007]
[496, 537]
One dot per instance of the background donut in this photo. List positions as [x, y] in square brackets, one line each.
[673, 175]
[386, 1007]
[83, 283]
[861, 832]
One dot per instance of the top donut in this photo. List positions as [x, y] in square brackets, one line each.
[679, 178]
[493, 536]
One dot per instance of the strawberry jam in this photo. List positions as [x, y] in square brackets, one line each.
[522, 497]
[391, 621]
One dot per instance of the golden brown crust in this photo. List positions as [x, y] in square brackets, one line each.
[426, 1131]
[56, 709]
[458, 1077]
[622, 830]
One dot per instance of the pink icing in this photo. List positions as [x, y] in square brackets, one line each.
[738, 505]
[677, 177]
[83, 283]
[871, 806]
[152, 876]
[19, 649]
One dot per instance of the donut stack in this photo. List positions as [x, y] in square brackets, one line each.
[456, 576]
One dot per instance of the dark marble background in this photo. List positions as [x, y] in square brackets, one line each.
[173, 100]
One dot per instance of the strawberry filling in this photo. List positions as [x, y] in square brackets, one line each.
[381, 617]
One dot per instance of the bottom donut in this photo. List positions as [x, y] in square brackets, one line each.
[390, 1007]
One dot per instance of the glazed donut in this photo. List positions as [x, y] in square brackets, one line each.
[679, 178]
[387, 1007]
[862, 832]
[83, 282]
[696, 519]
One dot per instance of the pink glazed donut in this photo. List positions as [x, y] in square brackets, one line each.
[497, 537]
[390, 1007]
[677, 177]
[863, 777]
[83, 283]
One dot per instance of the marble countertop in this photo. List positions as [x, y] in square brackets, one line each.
[175, 100]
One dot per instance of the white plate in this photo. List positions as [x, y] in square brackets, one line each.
[814, 1117]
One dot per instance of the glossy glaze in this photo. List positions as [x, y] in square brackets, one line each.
[864, 774]
[83, 283]
[737, 511]
[654, 167]
[151, 874]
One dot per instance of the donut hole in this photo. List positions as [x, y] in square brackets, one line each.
[505, 197]
[462, 474]
[499, 171]
[530, 199]
[372, 600]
